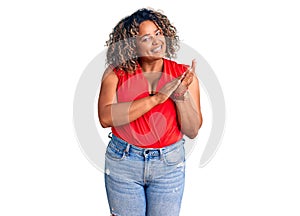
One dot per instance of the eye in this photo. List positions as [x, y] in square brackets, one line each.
[145, 39]
[158, 33]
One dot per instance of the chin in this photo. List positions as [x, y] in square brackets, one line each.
[153, 57]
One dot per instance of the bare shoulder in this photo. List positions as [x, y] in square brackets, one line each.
[109, 75]
[109, 85]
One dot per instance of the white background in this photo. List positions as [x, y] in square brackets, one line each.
[252, 46]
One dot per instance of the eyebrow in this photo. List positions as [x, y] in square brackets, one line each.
[149, 34]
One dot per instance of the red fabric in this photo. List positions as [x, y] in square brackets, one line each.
[158, 127]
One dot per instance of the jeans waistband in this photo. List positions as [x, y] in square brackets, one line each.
[122, 145]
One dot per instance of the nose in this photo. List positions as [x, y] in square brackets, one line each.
[155, 40]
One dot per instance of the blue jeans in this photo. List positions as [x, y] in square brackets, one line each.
[144, 182]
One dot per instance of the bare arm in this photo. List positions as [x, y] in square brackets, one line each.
[111, 113]
[189, 110]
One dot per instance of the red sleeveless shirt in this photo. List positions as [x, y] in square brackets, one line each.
[158, 127]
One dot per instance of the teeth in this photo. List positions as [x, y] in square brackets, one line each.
[157, 49]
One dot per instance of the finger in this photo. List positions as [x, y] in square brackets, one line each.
[193, 67]
[176, 81]
[188, 76]
[177, 84]
[190, 69]
[171, 86]
[190, 80]
[181, 77]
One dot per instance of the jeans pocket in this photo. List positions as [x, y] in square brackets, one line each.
[114, 153]
[174, 157]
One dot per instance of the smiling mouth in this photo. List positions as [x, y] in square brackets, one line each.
[157, 49]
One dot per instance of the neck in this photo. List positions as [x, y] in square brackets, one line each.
[151, 65]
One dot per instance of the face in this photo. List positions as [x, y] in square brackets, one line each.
[150, 42]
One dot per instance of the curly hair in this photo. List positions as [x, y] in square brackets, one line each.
[121, 52]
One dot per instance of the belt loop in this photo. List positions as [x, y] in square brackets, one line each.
[110, 135]
[160, 154]
[127, 149]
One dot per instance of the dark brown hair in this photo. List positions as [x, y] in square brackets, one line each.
[121, 53]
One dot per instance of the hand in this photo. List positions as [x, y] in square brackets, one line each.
[166, 91]
[187, 79]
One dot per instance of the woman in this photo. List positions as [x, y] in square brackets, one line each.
[150, 102]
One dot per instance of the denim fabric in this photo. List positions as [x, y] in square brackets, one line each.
[144, 182]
